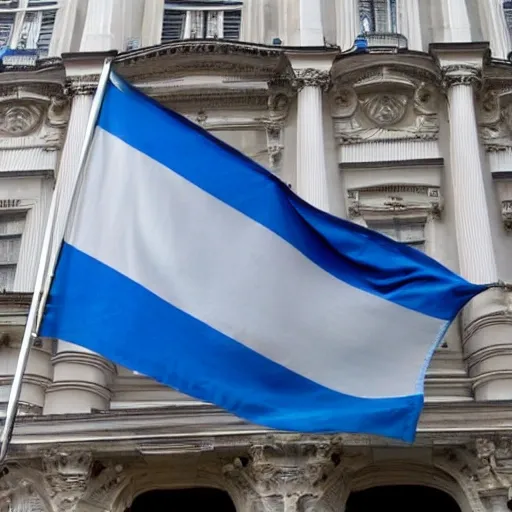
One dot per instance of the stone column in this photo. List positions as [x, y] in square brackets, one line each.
[311, 162]
[457, 27]
[473, 233]
[486, 335]
[98, 32]
[347, 23]
[152, 22]
[81, 379]
[495, 27]
[286, 477]
[409, 23]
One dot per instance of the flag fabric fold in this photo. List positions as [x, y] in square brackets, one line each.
[188, 262]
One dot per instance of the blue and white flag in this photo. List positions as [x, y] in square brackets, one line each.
[188, 262]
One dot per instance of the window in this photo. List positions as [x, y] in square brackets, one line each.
[507, 7]
[377, 16]
[11, 229]
[407, 231]
[27, 24]
[185, 19]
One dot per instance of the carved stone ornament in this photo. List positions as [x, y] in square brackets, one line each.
[67, 476]
[406, 111]
[506, 214]
[279, 101]
[395, 199]
[20, 118]
[487, 463]
[495, 119]
[284, 477]
[310, 77]
[461, 74]
[20, 492]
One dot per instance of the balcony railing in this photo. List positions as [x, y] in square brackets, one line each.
[384, 40]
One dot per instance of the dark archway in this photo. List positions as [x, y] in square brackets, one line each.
[183, 500]
[402, 498]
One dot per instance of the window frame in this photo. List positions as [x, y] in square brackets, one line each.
[17, 214]
[193, 7]
[19, 19]
[391, 21]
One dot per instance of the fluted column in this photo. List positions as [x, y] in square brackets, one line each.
[81, 379]
[98, 32]
[495, 27]
[347, 23]
[311, 163]
[152, 22]
[474, 240]
[409, 23]
[486, 333]
[457, 27]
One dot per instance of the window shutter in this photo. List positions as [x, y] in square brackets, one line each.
[11, 229]
[43, 23]
[9, 4]
[6, 27]
[507, 7]
[174, 23]
[232, 22]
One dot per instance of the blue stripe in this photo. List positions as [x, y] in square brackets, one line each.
[356, 255]
[96, 307]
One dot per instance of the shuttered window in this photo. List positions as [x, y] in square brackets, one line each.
[28, 24]
[11, 230]
[184, 19]
[507, 8]
[377, 16]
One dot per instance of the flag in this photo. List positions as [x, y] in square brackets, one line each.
[188, 262]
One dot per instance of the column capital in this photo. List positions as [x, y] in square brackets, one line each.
[461, 74]
[311, 77]
[67, 475]
[284, 476]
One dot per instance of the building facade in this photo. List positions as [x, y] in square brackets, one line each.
[396, 114]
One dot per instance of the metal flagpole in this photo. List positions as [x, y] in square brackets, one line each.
[47, 264]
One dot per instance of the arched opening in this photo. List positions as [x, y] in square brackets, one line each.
[183, 500]
[402, 498]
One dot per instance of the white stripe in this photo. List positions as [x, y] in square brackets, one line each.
[233, 274]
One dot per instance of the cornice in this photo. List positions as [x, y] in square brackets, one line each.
[216, 57]
[441, 423]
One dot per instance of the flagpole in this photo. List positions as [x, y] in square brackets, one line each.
[47, 264]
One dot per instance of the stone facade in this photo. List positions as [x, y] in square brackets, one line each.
[409, 133]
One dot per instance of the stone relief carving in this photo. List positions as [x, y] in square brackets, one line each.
[278, 105]
[285, 476]
[461, 74]
[20, 118]
[19, 491]
[311, 77]
[67, 476]
[407, 112]
[495, 119]
[506, 214]
[423, 200]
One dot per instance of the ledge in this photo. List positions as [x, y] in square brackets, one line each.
[441, 423]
